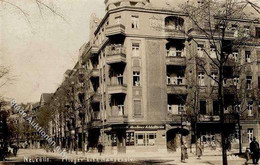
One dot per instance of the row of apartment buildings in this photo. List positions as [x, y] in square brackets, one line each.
[136, 82]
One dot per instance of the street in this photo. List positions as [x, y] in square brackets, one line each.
[40, 156]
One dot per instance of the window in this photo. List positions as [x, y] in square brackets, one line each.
[121, 110]
[247, 56]
[250, 134]
[203, 107]
[250, 108]
[136, 78]
[135, 49]
[213, 51]
[235, 56]
[179, 80]
[151, 139]
[181, 109]
[213, 79]
[246, 28]
[215, 108]
[237, 107]
[118, 20]
[236, 81]
[200, 50]
[120, 79]
[249, 82]
[137, 107]
[257, 32]
[145, 139]
[201, 79]
[234, 27]
[135, 22]
[130, 136]
[140, 139]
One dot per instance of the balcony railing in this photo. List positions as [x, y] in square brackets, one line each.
[174, 32]
[96, 115]
[177, 109]
[176, 81]
[117, 29]
[177, 58]
[116, 54]
[118, 110]
[177, 53]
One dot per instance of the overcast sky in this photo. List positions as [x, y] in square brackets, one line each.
[41, 51]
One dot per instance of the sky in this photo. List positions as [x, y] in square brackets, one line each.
[39, 47]
[39, 50]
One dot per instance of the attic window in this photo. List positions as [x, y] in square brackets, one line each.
[117, 4]
[133, 3]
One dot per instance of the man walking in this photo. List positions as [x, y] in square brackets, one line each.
[254, 148]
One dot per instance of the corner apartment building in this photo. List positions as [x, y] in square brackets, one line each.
[143, 78]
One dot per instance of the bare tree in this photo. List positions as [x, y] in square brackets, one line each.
[212, 20]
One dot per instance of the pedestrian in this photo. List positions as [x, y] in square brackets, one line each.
[15, 149]
[254, 148]
[199, 150]
[100, 148]
[184, 153]
[247, 155]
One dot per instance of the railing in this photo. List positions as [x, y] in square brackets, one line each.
[115, 49]
[96, 115]
[177, 53]
[177, 109]
[118, 110]
[176, 81]
[119, 80]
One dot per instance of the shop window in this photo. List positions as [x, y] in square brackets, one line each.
[151, 139]
[250, 134]
[114, 139]
[145, 139]
[140, 139]
[130, 139]
[203, 107]
[136, 78]
[135, 22]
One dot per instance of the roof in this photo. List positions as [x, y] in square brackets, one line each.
[45, 98]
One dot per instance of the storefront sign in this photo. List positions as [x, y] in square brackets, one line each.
[147, 127]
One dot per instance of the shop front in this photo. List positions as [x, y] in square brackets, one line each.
[136, 138]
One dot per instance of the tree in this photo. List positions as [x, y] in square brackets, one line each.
[211, 20]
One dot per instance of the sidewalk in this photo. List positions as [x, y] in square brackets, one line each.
[209, 157]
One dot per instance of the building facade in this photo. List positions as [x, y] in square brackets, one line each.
[138, 76]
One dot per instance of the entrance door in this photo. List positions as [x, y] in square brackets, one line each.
[121, 145]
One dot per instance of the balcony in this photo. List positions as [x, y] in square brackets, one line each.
[96, 119]
[176, 85]
[209, 118]
[117, 114]
[117, 88]
[95, 73]
[175, 58]
[116, 54]
[96, 98]
[113, 30]
[174, 33]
